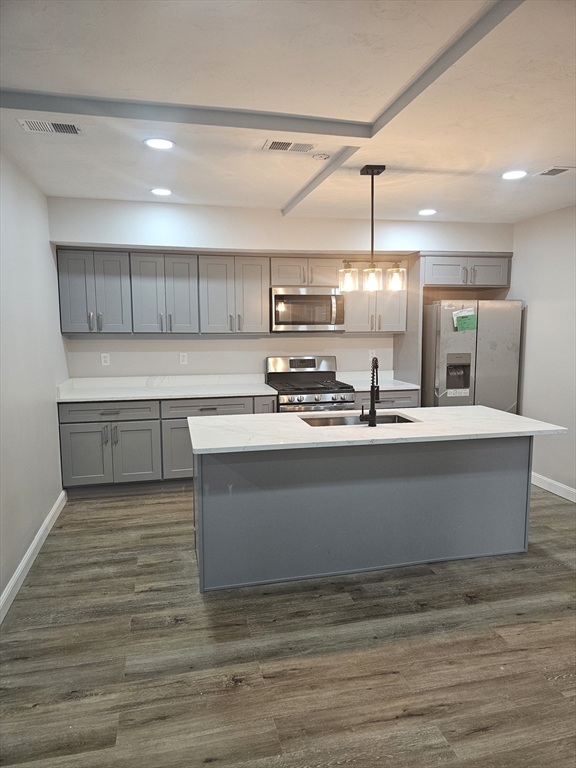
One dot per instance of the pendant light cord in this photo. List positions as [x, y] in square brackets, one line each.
[372, 221]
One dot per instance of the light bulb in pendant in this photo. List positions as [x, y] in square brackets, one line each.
[396, 279]
[347, 278]
[372, 279]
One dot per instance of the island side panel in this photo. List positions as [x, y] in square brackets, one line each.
[268, 516]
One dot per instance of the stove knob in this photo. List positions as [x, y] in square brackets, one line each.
[291, 399]
[317, 398]
[343, 397]
[334, 397]
[300, 398]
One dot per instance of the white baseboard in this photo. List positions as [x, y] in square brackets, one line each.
[19, 575]
[551, 485]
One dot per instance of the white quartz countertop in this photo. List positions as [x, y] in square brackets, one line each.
[281, 431]
[201, 385]
[360, 380]
[163, 387]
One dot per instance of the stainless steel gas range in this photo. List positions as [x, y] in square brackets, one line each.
[308, 384]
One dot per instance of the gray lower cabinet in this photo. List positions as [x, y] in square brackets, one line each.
[393, 398]
[136, 451]
[265, 404]
[176, 449]
[86, 451]
[213, 406]
[110, 452]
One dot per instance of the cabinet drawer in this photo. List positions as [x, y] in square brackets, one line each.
[221, 406]
[121, 411]
[390, 399]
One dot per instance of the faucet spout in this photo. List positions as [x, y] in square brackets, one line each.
[374, 395]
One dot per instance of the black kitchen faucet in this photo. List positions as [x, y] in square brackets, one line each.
[374, 395]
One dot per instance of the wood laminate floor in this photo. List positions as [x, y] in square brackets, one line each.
[112, 659]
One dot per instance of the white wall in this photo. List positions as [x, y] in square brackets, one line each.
[165, 225]
[33, 363]
[153, 357]
[543, 275]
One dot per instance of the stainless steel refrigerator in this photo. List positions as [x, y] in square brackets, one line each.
[471, 353]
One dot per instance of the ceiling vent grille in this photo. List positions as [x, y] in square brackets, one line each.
[555, 170]
[287, 146]
[43, 126]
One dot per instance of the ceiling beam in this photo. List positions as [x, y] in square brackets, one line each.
[337, 160]
[449, 55]
[181, 113]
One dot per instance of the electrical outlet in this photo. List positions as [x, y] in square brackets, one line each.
[183, 358]
[371, 354]
[105, 358]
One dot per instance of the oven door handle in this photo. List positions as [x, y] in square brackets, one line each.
[333, 315]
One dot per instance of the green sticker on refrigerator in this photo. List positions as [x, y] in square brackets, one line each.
[466, 323]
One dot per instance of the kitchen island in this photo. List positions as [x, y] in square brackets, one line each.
[278, 499]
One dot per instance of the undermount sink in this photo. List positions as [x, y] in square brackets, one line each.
[341, 421]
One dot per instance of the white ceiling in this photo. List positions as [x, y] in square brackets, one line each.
[509, 102]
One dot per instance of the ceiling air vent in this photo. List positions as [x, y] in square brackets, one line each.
[43, 126]
[287, 146]
[556, 170]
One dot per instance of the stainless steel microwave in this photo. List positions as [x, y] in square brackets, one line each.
[307, 309]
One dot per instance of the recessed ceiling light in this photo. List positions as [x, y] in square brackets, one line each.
[159, 143]
[514, 174]
[427, 212]
[159, 191]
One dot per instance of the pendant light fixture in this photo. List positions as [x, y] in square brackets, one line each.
[348, 278]
[396, 278]
[372, 277]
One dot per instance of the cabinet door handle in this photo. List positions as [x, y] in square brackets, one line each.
[472, 275]
[379, 322]
[170, 322]
[114, 435]
[99, 321]
[208, 408]
[107, 413]
[305, 275]
[90, 321]
[239, 323]
[105, 434]
[464, 274]
[371, 322]
[231, 320]
[161, 321]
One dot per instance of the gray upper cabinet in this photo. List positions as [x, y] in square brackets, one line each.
[252, 290]
[113, 295]
[181, 294]
[469, 271]
[94, 292]
[148, 292]
[164, 293]
[301, 271]
[217, 294]
[77, 291]
[375, 311]
[234, 294]
[489, 272]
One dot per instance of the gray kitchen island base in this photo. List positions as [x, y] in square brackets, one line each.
[267, 516]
